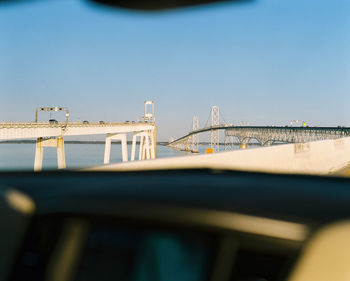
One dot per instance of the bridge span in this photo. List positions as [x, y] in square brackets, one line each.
[264, 135]
[51, 134]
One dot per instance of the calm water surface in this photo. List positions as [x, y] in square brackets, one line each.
[20, 156]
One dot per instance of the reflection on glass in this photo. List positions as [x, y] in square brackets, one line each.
[144, 256]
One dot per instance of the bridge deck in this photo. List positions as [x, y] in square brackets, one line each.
[267, 131]
[29, 130]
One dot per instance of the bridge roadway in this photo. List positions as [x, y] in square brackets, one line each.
[30, 130]
[267, 135]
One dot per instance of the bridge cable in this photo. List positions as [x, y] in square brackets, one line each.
[206, 123]
[222, 116]
[191, 129]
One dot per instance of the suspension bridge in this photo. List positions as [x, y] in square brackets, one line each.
[264, 135]
[52, 133]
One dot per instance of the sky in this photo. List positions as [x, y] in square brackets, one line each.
[264, 62]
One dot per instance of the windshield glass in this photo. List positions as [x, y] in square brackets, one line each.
[261, 73]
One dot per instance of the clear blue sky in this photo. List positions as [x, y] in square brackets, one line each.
[265, 63]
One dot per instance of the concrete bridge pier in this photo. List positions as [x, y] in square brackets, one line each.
[148, 151]
[147, 146]
[39, 152]
[109, 138]
[154, 141]
[133, 147]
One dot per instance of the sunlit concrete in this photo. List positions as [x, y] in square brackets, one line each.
[27, 130]
[51, 135]
[57, 143]
[319, 157]
[109, 138]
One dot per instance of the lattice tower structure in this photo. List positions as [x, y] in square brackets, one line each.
[215, 121]
[195, 137]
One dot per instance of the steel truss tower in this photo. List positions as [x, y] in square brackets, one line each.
[195, 137]
[229, 143]
[215, 121]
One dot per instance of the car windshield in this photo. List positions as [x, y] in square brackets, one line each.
[252, 85]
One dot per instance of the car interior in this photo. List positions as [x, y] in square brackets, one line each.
[172, 224]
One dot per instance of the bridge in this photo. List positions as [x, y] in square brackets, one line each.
[264, 135]
[52, 135]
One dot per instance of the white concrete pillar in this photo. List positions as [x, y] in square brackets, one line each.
[154, 141]
[61, 158]
[153, 146]
[141, 147]
[144, 148]
[147, 147]
[107, 150]
[124, 146]
[39, 152]
[133, 147]
[38, 160]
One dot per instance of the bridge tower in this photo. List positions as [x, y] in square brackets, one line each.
[214, 135]
[149, 112]
[195, 137]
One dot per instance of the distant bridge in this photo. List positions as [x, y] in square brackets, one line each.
[264, 135]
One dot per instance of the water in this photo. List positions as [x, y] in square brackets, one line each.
[20, 156]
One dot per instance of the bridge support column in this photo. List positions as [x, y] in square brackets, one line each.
[147, 146]
[214, 134]
[154, 141]
[39, 152]
[142, 144]
[229, 143]
[215, 140]
[109, 138]
[133, 147]
[61, 157]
